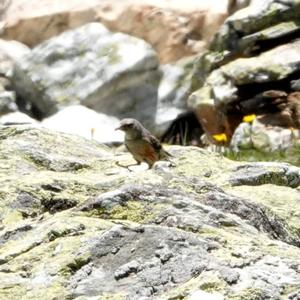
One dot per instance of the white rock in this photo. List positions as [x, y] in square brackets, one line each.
[80, 120]
[13, 49]
[17, 118]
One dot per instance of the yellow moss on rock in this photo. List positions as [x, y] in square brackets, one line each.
[247, 294]
[135, 211]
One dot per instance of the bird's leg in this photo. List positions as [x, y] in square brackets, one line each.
[127, 167]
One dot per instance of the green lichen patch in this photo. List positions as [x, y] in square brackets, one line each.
[133, 211]
[139, 220]
[279, 200]
[111, 52]
[248, 294]
[53, 256]
[207, 281]
[210, 166]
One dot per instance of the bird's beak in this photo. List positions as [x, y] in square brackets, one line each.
[118, 128]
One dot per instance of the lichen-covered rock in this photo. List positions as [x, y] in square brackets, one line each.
[224, 83]
[260, 22]
[93, 67]
[255, 51]
[76, 225]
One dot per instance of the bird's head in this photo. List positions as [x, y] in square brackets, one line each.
[131, 127]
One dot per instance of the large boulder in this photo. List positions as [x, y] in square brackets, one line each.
[76, 225]
[112, 73]
[255, 51]
[175, 29]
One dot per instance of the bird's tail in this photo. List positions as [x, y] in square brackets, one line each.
[165, 154]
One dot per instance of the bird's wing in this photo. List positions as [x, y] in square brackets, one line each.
[157, 145]
[153, 141]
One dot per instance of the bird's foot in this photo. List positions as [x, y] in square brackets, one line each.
[172, 164]
[164, 165]
[126, 167]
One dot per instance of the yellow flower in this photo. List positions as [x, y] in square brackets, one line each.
[220, 137]
[249, 118]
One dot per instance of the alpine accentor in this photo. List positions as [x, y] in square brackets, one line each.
[143, 146]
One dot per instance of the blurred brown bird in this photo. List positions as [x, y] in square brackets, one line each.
[143, 146]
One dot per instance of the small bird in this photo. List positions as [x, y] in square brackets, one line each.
[143, 146]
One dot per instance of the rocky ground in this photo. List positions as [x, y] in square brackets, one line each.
[74, 225]
[223, 68]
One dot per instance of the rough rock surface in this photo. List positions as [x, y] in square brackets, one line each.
[76, 225]
[256, 51]
[173, 91]
[93, 67]
[10, 53]
[257, 135]
[184, 29]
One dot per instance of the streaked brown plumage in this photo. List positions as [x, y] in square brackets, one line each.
[143, 146]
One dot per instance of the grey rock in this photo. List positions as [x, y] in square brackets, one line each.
[7, 102]
[126, 269]
[14, 234]
[173, 91]
[93, 67]
[10, 53]
[253, 22]
[263, 138]
[258, 216]
[295, 85]
[224, 82]
[242, 137]
[148, 275]
[266, 173]
[229, 275]
[263, 274]
[294, 296]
